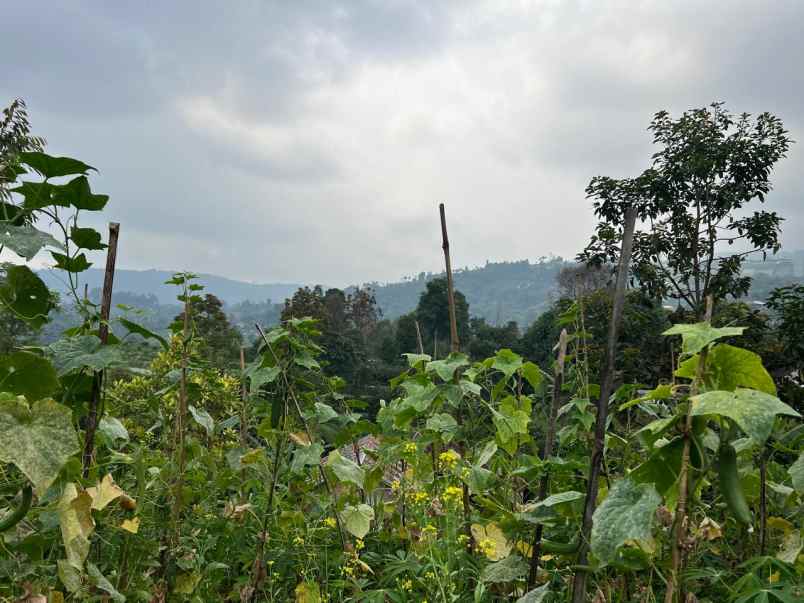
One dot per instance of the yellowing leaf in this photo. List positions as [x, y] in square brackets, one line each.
[307, 592]
[300, 438]
[131, 525]
[77, 525]
[491, 541]
[104, 493]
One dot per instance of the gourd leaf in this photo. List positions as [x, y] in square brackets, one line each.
[53, 167]
[537, 595]
[26, 295]
[83, 351]
[306, 456]
[78, 193]
[345, 469]
[203, 418]
[729, 367]
[74, 265]
[754, 411]
[796, 472]
[27, 374]
[133, 327]
[357, 519]
[25, 240]
[38, 439]
[446, 368]
[443, 423]
[626, 515]
[696, 336]
[507, 570]
[86, 238]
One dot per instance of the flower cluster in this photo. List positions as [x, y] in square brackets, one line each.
[410, 448]
[448, 459]
[452, 495]
[487, 547]
[418, 497]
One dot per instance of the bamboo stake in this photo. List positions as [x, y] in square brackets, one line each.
[455, 344]
[549, 443]
[419, 342]
[606, 387]
[103, 335]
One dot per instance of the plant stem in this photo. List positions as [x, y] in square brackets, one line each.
[606, 387]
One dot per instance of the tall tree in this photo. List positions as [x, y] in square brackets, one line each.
[221, 341]
[433, 312]
[710, 165]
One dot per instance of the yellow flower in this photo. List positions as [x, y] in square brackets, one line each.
[429, 575]
[487, 547]
[330, 522]
[359, 544]
[418, 497]
[406, 584]
[410, 448]
[452, 495]
[298, 541]
[448, 459]
[463, 539]
[395, 485]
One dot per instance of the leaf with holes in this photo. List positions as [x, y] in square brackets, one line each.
[26, 241]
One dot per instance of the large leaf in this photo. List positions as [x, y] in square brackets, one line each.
[306, 456]
[78, 193]
[444, 424]
[71, 264]
[28, 374]
[53, 167]
[492, 540]
[696, 336]
[77, 525]
[507, 361]
[729, 367]
[511, 421]
[262, 375]
[446, 368]
[26, 241]
[507, 570]
[345, 469]
[626, 515]
[37, 439]
[532, 374]
[796, 472]
[36, 195]
[357, 520]
[86, 238]
[203, 418]
[752, 410]
[26, 295]
[84, 351]
[537, 595]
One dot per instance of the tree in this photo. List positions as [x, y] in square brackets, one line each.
[433, 313]
[221, 341]
[15, 138]
[711, 164]
[487, 339]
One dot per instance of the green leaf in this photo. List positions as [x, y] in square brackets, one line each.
[357, 520]
[446, 368]
[112, 429]
[133, 327]
[84, 351]
[509, 569]
[28, 375]
[532, 374]
[74, 265]
[26, 295]
[36, 195]
[86, 238]
[53, 167]
[537, 595]
[559, 499]
[345, 469]
[444, 424]
[324, 412]
[186, 582]
[796, 472]
[729, 367]
[485, 454]
[203, 418]
[660, 392]
[626, 515]
[38, 439]
[78, 193]
[752, 410]
[99, 581]
[511, 421]
[414, 359]
[262, 375]
[306, 456]
[696, 336]
[507, 361]
[26, 241]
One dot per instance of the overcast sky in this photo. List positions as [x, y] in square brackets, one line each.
[311, 141]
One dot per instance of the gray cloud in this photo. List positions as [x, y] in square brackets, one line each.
[311, 141]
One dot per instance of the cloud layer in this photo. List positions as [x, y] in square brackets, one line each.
[311, 141]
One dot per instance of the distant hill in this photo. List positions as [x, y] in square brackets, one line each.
[145, 282]
[499, 291]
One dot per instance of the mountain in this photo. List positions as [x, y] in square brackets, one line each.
[152, 282]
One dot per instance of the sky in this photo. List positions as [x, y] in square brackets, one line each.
[312, 141]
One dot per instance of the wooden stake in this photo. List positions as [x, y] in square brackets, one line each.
[606, 387]
[549, 443]
[419, 342]
[455, 344]
[103, 334]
